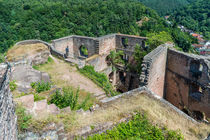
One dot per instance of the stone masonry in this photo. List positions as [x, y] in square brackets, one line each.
[8, 119]
[180, 78]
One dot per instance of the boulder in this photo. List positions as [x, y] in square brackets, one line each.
[27, 101]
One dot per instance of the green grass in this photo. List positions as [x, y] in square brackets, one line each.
[41, 86]
[139, 128]
[49, 61]
[37, 97]
[12, 85]
[70, 97]
[99, 78]
[23, 119]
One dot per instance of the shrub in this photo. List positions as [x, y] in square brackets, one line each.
[68, 98]
[99, 78]
[23, 119]
[41, 86]
[13, 85]
[137, 128]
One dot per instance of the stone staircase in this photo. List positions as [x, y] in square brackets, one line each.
[100, 96]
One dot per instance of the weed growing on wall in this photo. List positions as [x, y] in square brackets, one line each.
[41, 86]
[139, 128]
[13, 85]
[24, 119]
[99, 78]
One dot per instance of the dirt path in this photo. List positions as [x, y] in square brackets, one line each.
[63, 74]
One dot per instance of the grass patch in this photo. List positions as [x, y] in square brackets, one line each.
[49, 61]
[37, 97]
[41, 86]
[99, 78]
[12, 85]
[137, 128]
[23, 119]
[23, 51]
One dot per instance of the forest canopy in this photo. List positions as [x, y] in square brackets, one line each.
[52, 19]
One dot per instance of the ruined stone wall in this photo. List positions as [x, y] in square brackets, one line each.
[61, 45]
[153, 71]
[131, 42]
[88, 42]
[107, 44]
[187, 81]
[8, 119]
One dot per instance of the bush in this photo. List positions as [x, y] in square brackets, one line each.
[12, 85]
[137, 128]
[99, 78]
[41, 86]
[68, 98]
[23, 119]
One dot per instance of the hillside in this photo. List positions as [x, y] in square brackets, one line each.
[164, 7]
[51, 19]
[195, 16]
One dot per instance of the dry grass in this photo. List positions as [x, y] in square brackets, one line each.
[157, 112]
[63, 74]
[20, 51]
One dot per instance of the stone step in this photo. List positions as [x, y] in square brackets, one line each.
[101, 97]
[99, 94]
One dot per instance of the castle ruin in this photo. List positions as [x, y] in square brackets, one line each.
[179, 78]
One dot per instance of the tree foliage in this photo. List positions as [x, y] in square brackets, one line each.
[164, 7]
[195, 16]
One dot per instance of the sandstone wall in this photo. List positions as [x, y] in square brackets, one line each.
[132, 41]
[88, 42]
[153, 71]
[8, 119]
[188, 81]
[107, 44]
[61, 44]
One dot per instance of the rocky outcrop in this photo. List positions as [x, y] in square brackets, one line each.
[8, 119]
[24, 75]
[39, 108]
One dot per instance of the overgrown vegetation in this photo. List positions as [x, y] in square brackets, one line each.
[99, 78]
[23, 119]
[115, 58]
[41, 86]
[138, 128]
[12, 85]
[69, 97]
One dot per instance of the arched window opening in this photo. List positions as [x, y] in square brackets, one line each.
[83, 51]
